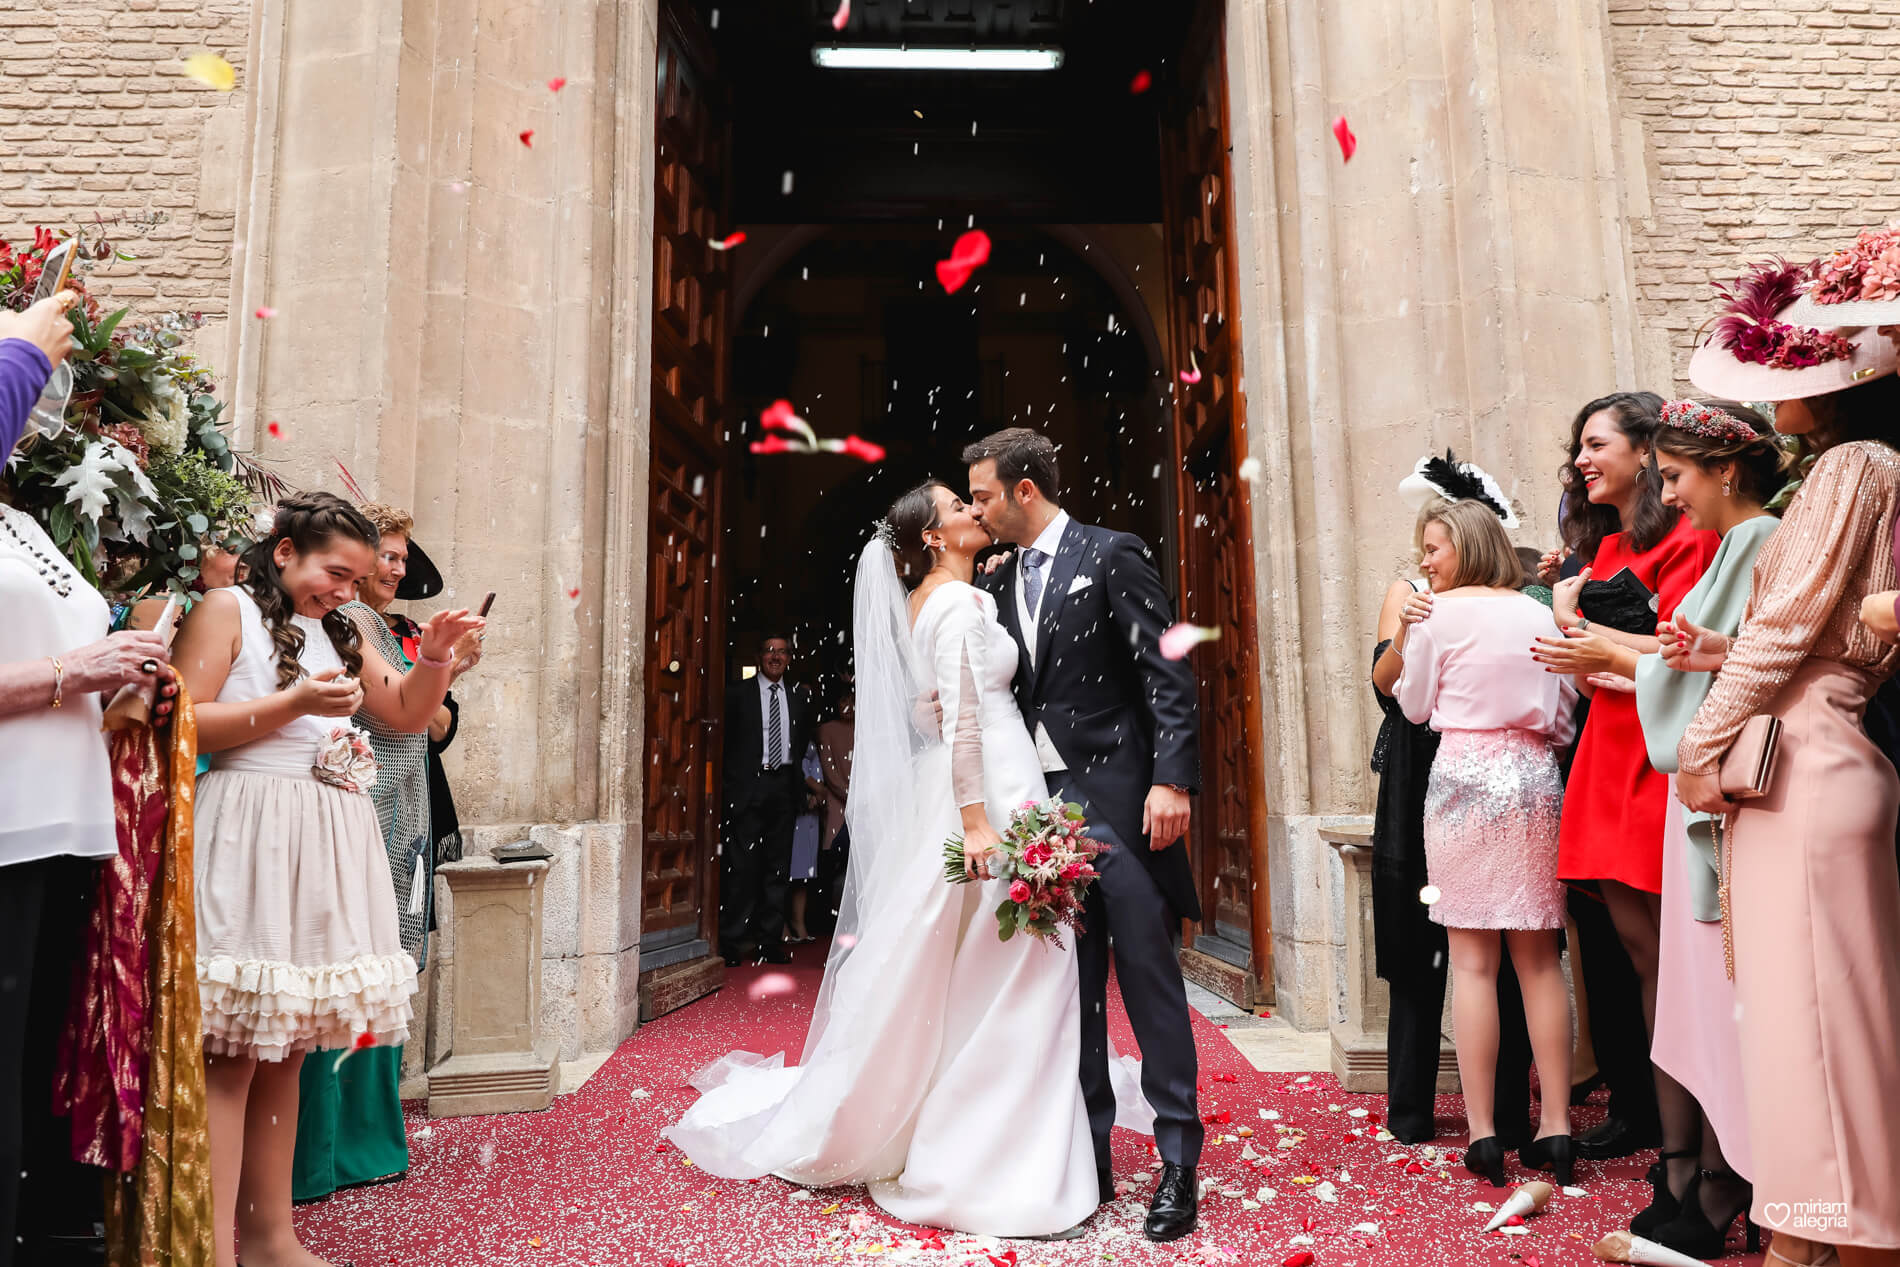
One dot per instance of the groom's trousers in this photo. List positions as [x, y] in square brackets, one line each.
[1125, 909]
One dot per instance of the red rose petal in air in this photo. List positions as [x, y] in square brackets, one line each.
[842, 16]
[527, 137]
[276, 432]
[860, 448]
[364, 1039]
[265, 314]
[726, 243]
[575, 592]
[970, 252]
[774, 444]
[1141, 82]
[1347, 141]
[556, 84]
[778, 416]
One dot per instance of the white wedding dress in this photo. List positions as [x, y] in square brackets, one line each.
[941, 1067]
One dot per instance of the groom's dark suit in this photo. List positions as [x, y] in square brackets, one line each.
[1122, 718]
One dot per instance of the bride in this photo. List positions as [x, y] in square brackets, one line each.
[941, 1066]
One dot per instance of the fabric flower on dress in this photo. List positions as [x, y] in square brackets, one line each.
[347, 761]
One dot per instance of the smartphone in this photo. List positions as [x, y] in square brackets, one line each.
[59, 267]
[487, 603]
[48, 416]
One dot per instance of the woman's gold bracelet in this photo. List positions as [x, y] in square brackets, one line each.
[59, 680]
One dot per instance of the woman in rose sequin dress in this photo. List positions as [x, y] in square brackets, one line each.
[1492, 811]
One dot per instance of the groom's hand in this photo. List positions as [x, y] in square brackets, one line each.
[1164, 816]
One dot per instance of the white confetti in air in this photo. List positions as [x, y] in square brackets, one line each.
[785, 183]
[1429, 895]
[1250, 469]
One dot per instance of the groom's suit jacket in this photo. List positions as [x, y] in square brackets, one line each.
[1122, 716]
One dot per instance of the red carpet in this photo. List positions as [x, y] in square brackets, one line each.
[590, 1183]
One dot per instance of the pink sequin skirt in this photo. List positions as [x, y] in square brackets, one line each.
[1492, 811]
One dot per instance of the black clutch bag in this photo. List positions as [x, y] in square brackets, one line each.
[1623, 603]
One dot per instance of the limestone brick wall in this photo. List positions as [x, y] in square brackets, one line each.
[96, 119]
[1766, 127]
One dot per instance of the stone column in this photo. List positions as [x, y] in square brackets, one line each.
[498, 1061]
[1460, 281]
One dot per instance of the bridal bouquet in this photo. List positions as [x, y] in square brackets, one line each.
[1049, 863]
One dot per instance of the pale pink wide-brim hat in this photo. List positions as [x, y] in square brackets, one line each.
[1716, 370]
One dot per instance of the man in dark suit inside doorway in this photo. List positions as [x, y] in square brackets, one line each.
[768, 724]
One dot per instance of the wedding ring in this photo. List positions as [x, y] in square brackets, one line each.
[149, 666]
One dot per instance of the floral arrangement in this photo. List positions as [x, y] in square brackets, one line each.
[143, 477]
[1748, 328]
[1867, 270]
[347, 761]
[1049, 861]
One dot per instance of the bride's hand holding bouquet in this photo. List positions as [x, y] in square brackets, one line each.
[980, 842]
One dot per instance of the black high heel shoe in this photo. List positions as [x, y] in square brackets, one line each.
[1663, 1205]
[1485, 1158]
[1552, 1153]
[1691, 1231]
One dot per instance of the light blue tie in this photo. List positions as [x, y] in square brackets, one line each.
[1032, 580]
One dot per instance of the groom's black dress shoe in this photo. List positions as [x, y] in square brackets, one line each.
[1176, 1207]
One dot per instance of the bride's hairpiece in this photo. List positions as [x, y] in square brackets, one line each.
[883, 531]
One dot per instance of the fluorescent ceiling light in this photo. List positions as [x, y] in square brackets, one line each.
[866, 57]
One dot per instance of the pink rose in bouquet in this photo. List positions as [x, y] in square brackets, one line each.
[1019, 891]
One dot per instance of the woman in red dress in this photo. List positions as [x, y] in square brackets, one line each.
[1615, 800]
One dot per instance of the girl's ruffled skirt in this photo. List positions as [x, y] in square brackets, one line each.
[298, 945]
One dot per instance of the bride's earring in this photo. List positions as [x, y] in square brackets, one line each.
[1727, 489]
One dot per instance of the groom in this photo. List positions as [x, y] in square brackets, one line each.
[1116, 727]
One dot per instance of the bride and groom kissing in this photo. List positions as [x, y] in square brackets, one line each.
[941, 1064]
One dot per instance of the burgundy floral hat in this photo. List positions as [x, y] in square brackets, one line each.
[1858, 286]
[1754, 352]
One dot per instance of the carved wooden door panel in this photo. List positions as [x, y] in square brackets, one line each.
[1215, 521]
[685, 672]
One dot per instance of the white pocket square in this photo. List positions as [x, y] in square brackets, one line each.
[1080, 583]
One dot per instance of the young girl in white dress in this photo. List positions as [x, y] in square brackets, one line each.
[298, 948]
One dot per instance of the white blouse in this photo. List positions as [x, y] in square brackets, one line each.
[55, 781]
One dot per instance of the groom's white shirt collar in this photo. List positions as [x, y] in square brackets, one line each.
[1048, 543]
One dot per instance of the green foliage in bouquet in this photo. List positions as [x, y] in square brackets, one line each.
[143, 478]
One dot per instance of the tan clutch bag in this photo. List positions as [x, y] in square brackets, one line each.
[1750, 763]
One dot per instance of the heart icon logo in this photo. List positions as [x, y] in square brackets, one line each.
[1775, 1213]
